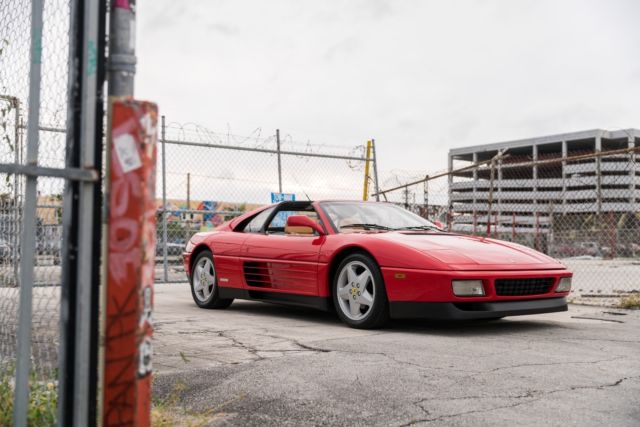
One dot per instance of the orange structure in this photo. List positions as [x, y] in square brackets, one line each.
[130, 264]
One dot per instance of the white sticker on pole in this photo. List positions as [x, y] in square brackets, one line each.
[127, 152]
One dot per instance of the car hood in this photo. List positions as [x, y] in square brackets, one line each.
[460, 252]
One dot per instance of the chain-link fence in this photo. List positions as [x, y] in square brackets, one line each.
[35, 167]
[207, 178]
[575, 200]
[17, 80]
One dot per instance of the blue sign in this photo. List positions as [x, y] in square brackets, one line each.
[282, 197]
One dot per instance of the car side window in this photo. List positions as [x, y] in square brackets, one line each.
[255, 225]
[277, 224]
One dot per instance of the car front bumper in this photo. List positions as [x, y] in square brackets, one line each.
[474, 310]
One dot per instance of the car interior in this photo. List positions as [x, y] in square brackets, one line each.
[274, 220]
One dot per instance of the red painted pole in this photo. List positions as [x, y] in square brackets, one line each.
[130, 262]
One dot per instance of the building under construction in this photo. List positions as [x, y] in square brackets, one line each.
[534, 190]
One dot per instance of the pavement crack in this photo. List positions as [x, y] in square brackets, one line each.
[308, 347]
[523, 365]
[237, 343]
[458, 414]
[530, 396]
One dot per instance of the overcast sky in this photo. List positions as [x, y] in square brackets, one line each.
[420, 77]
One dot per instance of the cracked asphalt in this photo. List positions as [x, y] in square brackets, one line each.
[270, 365]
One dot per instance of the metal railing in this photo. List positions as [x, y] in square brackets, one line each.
[581, 208]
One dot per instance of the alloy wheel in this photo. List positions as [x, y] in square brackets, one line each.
[204, 279]
[356, 291]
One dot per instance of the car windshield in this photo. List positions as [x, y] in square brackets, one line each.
[374, 216]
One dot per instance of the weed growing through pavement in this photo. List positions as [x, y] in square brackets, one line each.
[631, 301]
[43, 400]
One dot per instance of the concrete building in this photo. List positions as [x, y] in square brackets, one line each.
[534, 184]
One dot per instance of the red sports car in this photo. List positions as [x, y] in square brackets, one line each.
[370, 261]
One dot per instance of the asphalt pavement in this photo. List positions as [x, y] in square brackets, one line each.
[268, 365]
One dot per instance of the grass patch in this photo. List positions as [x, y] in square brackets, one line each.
[631, 301]
[169, 412]
[43, 400]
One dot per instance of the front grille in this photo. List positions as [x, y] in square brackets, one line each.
[516, 287]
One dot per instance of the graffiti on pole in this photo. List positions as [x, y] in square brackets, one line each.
[130, 264]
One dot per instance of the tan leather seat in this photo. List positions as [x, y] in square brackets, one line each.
[305, 231]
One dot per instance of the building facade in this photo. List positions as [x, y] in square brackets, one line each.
[541, 186]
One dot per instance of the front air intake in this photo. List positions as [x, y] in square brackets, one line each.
[519, 287]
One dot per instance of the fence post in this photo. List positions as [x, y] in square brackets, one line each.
[406, 197]
[23, 363]
[165, 266]
[426, 196]
[16, 192]
[365, 188]
[490, 199]
[188, 213]
[375, 169]
[279, 161]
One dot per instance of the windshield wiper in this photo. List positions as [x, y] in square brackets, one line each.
[419, 227]
[367, 226]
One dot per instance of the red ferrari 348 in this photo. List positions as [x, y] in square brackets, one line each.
[369, 261]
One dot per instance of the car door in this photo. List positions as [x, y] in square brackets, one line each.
[227, 250]
[279, 262]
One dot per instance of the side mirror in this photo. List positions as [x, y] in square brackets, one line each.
[302, 224]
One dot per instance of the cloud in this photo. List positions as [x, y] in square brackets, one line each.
[420, 77]
[223, 28]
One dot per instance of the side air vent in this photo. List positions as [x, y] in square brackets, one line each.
[257, 274]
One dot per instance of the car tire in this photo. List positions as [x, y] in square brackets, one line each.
[204, 283]
[359, 294]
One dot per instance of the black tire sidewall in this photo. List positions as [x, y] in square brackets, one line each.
[379, 313]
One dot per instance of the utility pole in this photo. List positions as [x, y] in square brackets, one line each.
[365, 187]
[375, 169]
[122, 56]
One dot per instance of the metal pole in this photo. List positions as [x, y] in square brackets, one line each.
[188, 214]
[490, 200]
[375, 169]
[598, 149]
[365, 188]
[16, 192]
[23, 363]
[426, 197]
[82, 227]
[122, 58]
[279, 161]
[164, 204]
[631, 141]
[406, 197]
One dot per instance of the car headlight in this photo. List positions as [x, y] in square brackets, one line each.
[564, 285]
[467, 288]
